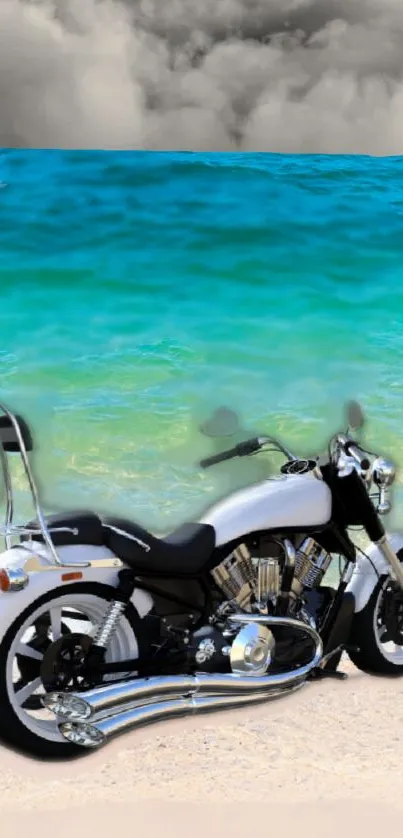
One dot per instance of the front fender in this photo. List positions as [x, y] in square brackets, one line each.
[369, 568]
[48, 577]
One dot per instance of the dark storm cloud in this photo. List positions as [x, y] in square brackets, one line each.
[273, 75]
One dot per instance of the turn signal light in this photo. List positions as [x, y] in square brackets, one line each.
[13, 579]
[71, 577]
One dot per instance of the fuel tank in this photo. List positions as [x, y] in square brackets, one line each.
[288, 501]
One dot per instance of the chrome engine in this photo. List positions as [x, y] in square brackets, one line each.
[311, 564]
[246, 580]
[250, 582]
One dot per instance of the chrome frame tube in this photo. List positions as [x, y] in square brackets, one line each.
[270, 440]
[9, 496]
[16, 529]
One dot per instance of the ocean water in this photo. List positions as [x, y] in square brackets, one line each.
[139, 291]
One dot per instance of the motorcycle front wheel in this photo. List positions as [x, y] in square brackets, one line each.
[378, 632]
[79, 608]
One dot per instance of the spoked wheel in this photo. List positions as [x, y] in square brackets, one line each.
[43, 650]
[378, 631]
[388, 623]
[31, 653]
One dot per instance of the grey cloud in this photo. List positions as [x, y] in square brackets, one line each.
[267, 75]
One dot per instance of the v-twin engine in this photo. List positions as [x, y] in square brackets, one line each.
[251, 580]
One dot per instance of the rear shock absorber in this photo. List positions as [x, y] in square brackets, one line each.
[116, 609]
[109, 624]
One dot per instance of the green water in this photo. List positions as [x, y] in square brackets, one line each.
[140, 291]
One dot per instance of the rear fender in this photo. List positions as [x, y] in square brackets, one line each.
[368, 569]
[43, 577]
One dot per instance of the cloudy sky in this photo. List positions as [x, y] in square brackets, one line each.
[265, 75]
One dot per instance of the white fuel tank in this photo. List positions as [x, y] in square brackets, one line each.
[287, 501]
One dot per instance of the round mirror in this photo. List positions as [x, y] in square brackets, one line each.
[223, 422]
[355, 416]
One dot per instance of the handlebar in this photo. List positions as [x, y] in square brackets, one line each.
[353, 450]
[356, 476]
[255, 444]
[243, 449]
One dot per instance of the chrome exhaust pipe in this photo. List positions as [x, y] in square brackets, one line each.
[90, 717]
[101, 700]
[96, 733]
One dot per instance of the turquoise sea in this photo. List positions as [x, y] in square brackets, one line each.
[139, 291]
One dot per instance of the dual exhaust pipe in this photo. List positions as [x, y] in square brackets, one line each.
[90, 718]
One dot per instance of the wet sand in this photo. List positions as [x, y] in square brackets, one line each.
[323, 760]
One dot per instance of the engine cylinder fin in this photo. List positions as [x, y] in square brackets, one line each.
[311, 564]
[248, 579]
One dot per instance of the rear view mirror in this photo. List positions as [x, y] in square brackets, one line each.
[9, 438]
[355, 416]
[223, 422]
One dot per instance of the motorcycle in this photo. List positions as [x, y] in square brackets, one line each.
[105, 627]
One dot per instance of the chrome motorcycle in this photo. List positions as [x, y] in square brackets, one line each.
[104, 626]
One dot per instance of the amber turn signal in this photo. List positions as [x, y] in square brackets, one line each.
[71, 577]
[4, 581]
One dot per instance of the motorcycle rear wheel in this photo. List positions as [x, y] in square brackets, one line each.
[38, 734]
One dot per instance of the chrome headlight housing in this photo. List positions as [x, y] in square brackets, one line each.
[383, 475]
[383, 472]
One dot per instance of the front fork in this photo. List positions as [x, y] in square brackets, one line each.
[391, 559]
[355, 492]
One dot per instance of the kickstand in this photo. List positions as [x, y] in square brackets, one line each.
[318, 673]
[321, 672]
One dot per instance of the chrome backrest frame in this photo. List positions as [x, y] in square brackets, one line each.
[9, 496]
[9, 529]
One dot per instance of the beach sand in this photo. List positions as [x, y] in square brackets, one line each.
[323, 760]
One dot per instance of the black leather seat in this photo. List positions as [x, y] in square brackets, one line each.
[185, 551]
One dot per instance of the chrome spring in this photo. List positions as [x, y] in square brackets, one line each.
[109, 625]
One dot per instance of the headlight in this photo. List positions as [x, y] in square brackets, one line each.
[383, 472]
[383, 475]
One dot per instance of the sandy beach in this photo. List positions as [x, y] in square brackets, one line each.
[325, 759]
